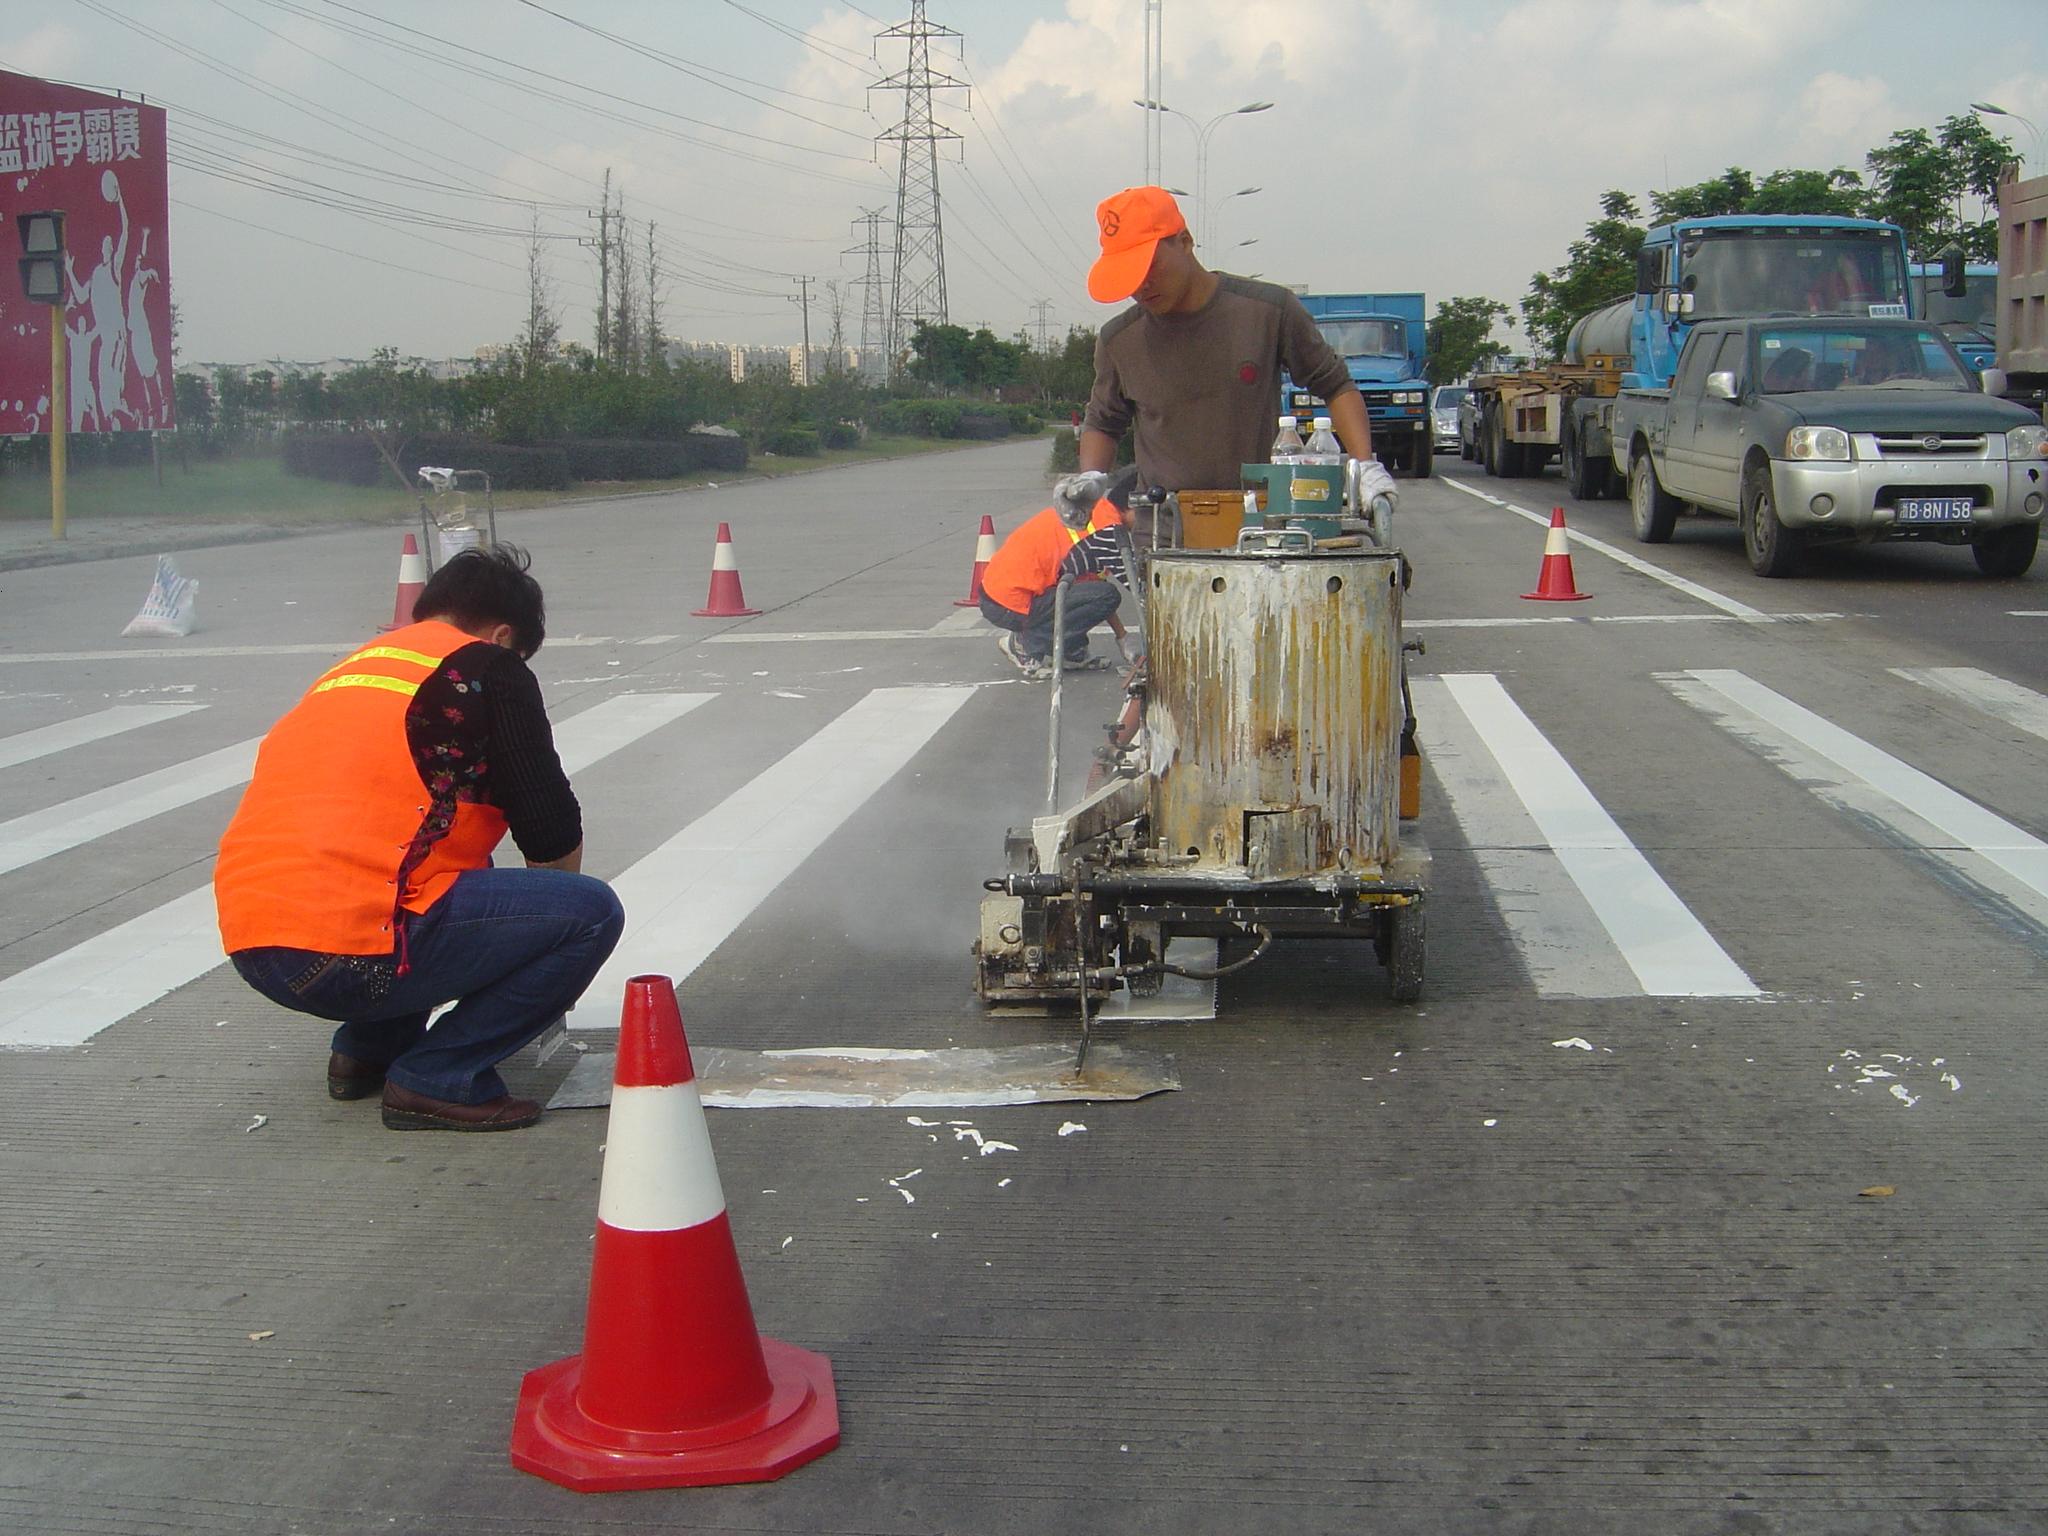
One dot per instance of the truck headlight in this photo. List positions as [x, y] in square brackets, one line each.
[1829, 443]
[2027, 443]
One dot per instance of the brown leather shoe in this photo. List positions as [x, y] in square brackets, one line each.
[405, 1110]
[348, 1078]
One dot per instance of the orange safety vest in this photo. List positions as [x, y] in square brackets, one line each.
[312, 857]
[1028, 563]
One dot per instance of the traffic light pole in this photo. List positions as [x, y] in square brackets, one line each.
[60, 421]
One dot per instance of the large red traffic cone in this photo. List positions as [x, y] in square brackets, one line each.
[984, 551]
[726, 600]
[1554, 582]
[674, 1387]
[412, 580]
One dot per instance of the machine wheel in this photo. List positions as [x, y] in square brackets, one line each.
[1424, 457]
[2007, 553]
[1652, 509]
[1773, 549]
[1482, 445]
[1404, 949]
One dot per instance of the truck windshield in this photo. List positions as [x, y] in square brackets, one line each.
[1850, 357]
[1971, 312]
[1366, 338]
[1798, 272]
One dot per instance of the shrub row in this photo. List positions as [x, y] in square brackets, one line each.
[352, 458]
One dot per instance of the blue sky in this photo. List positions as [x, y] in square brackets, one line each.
[1452, 147]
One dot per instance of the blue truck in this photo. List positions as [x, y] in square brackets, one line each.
[1728, 267]
[1968, 319]
[1380, 338]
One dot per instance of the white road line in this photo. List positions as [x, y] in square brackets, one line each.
[2026, 613]
[1565, 950]
[1994, 695]
[1866, 781]
[961, 621]
[657, 639]
[689, 895]
[1613, 618]
[98, 726]
[70, 997]
[230, 652]
[831, 636]
[39, 834]
[1669, 950]
[1708, 595]
[1516, 623]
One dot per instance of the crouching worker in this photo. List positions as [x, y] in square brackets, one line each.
[355, 881]
[1076, 536]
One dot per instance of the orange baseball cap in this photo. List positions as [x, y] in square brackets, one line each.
[1132, 224]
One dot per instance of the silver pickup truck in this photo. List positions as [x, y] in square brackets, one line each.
[1834, 430]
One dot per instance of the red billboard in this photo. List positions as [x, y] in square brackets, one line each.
[101, 161]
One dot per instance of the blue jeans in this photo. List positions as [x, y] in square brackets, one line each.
[517, 946]
[1089, 603]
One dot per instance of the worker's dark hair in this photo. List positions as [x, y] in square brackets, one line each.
[482, 587]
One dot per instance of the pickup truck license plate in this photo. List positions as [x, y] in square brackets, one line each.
[1935, 509]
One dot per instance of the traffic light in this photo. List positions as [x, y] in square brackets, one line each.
[42, 260]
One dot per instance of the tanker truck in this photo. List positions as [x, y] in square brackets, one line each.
[1730, 266]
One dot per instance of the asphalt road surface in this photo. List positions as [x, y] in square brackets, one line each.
[1738, 916]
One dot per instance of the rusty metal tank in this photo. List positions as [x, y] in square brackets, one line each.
[1274, 715]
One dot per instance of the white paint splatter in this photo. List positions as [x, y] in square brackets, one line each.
[996, 1146]
[1004, 1183]
[1954, 1083]
[1573, 1044]
[915, 1120]
[1489, 1123]
[787, 1241]
[1905, 1098]
[256, 1125]
[908, 1197]
[1070, 1127]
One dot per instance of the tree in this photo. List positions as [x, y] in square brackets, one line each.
[543, 328]
[952, 357]
[657, 342]
[625, 297]
[604, 268]
[1941, 187]
[835, 311]
[1457, 338]
[1599, 268]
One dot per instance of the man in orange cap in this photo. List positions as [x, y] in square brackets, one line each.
[1196, 361]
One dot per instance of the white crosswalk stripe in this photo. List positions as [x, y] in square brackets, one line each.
[38, 835]
[26, 746]
[1667, 949]
[1994, 695]
[688, 896]
[72, 996]
[1869, 783]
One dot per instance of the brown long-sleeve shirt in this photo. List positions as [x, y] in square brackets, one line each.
[1204, 388]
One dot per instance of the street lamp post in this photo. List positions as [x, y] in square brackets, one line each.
[1991, 111]
[1202, 132]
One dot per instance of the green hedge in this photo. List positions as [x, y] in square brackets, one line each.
[791, 442]
[649, 458]
[839, 434]
[352, 459]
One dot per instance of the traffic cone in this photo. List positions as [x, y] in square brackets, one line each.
[984, 551]
[412, 580]
[674, 1387]
[726, 601]
[1554, 582]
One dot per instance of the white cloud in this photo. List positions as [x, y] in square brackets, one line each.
[51, 49]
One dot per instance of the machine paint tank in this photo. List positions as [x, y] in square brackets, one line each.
[1275, 710]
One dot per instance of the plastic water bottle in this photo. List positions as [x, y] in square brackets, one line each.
[1287, 447]
[1323, 447]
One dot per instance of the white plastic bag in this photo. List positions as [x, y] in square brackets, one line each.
[169, 612]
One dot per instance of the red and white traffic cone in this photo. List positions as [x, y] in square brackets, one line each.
[726, 600]
[984, 551]
[675, 1387]
[1554, 582]
[412, 580]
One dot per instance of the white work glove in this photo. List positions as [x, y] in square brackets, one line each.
[1374, 482]
[1074, 496]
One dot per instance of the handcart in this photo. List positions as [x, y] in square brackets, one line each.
[457, 512]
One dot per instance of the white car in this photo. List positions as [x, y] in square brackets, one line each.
[1443, 415]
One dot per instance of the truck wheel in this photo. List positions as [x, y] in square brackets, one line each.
[1405, 934]
[1571, 454]
[1773, 549]
[1503, 458]
[1482, 447]
[1652, 509]
[1425, 456]
[2007, 553]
